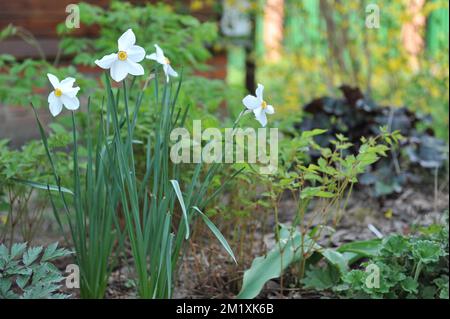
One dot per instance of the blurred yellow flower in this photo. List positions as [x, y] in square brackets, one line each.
[388, 214]
[3, 219]
[196, 5]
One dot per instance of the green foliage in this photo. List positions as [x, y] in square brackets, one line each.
[409, 267]
[272, 265]
[106, 183]
[29, 273]
[25, 81]
[29, 162]
[82, 205]
[328, 182]
[90, 212]
[182, 37]
[290, 250]
[150, 205]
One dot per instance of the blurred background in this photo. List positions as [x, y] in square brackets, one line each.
[395, 52]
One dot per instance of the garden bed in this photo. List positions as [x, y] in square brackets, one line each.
[205, 270]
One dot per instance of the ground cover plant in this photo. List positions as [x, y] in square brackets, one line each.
[413, 266]
[28, 272]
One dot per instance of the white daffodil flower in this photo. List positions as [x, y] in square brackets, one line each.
[63, 94]
[257, 104]
[125, 61]
[159, 57]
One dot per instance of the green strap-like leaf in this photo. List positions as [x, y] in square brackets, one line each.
[42, 186]
[177, 189]
[217, 233]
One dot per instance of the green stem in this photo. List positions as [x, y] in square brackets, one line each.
[418, 270]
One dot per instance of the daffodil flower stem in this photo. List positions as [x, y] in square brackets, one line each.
[238, 119]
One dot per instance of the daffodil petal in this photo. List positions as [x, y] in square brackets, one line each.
[261, 118]
[166, 71]
[259, 92]
[152, 57]
[159, 54]
[54, 104]
[107, 61]
[136, 53]
[119, 70]
[134, 68]
[251, 102]
[53, 80]
[71, 103]
[171, 71]
[126, 40]
[257, 111]
[67, 83]
[270, 109]
[71, 92]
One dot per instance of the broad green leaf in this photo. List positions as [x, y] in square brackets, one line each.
[51, 252]
[321, 278]
[395, 245]
[410, 285]
[336, 259]
[367, 248]
[427, 251]
[309, 192]
[22, 281]
[17, 249]
[31, 255]
[312, 133]
[271, 266]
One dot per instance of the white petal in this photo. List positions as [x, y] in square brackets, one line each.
[261, 117]
[257, 111]
[166, 71]
[107, 61]
[259, 92]
[251, 102]
[269, 109]
[171, 71]
[119, 70]
[159, 53]
[136, 53]
[53, 80]
[67, 83]
[71, 103]
[54, 104]
[126, 40]
[71, 92]
[152, 56]
[134, 68]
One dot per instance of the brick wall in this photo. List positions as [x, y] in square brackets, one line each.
[18, 124]
[41, 18]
